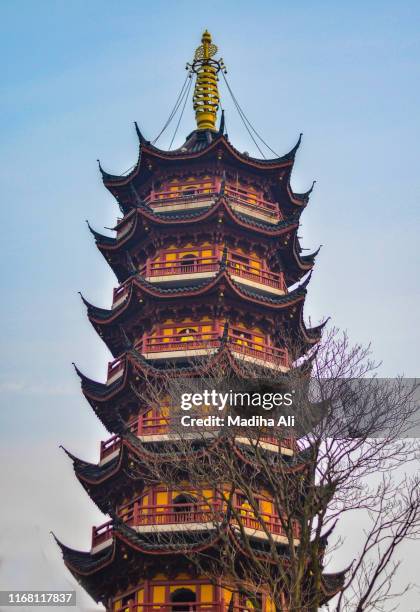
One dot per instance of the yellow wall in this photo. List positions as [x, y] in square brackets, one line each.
[161, 589]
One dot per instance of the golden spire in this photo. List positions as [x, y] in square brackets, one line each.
[206, 94]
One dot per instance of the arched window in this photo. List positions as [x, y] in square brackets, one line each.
[183, 600]
[188, 261]
[243, 338]
[187, 334]
[185, 507]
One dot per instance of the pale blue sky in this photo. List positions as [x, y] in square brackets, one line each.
[75, 75]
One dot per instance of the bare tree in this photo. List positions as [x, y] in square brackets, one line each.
[272, 495]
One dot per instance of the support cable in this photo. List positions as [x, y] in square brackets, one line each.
[182, 112]
[174, 110]
[238, 108]
[184, 92]
[246, 121]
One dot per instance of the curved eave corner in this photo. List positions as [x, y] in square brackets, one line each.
[100, 239]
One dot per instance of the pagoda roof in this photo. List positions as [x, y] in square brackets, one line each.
[132, 551]
[109, 323]
[199, 141]
[98, 390]
[290, 199]
[84, 561]
[303, 261]
[104, 482]
[105, 399]
[199, 144]
[95, 473]
[104, 315]
[180, 217]
[101, 238]
[203, 146]
[302, 198]
[143, 217]
[332, 584]
[309, 259]
[99, 572]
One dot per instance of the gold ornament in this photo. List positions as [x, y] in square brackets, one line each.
[206, 94]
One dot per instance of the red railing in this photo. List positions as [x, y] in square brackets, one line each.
[278, 440]
[214, 606]
[207, 340]
[240, 343]
[120, 294]
[141, 426]
[147, 425]
[273, 523]
[238, 339]
[272, 279]
[240, 196]
[180, 342]
[101, 534]
[115, 369]
[123, 227]
[192, 606]
[178, 266]
[135, 514]
[110, 446]
[210, 264]
[158, 199]
[254, 203]
[152, 425]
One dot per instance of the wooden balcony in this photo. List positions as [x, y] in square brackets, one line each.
[137, 515]
[192, 606]
[102, 535]
[178, 269]
[115, 370]
[185, 268]
[120, 294]
[198, 195]
[157, 427]
[186, 198]
[110, 448]
[270, 280]
[186, 344]
[186, 517]
[192, 343]
[261, 354]
[248, 203]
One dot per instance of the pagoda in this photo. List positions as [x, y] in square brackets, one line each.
[204, 254]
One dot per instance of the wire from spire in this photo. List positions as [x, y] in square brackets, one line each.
[174, 110]
[246, 121]
[187, 93]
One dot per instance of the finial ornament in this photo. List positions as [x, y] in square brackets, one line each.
[206, 94]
